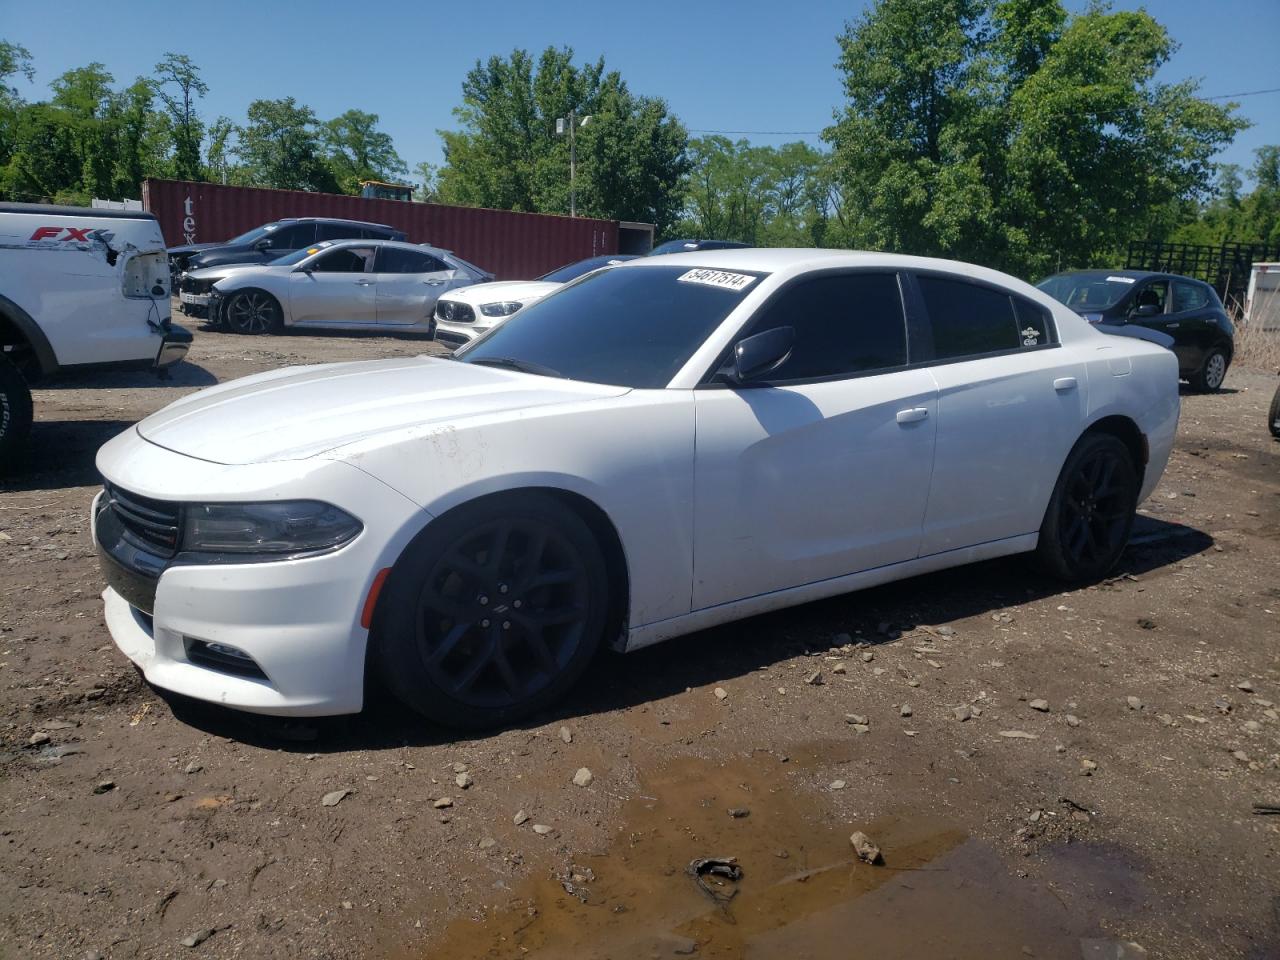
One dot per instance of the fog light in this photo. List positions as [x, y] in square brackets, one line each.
[228, 651]
[222, 657]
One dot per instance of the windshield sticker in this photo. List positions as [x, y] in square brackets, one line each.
[718, 278]
[1119, 279]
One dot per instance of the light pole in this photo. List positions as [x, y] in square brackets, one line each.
[570, 124]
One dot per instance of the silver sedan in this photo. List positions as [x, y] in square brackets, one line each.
[342, 284]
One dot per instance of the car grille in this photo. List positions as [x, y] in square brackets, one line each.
[453, 312]
[189, 284]
[153, 525]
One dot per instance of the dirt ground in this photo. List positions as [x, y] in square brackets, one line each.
[1113, 820]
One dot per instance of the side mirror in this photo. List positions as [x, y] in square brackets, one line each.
[1147, 310]
[263, 244]
[762, 353]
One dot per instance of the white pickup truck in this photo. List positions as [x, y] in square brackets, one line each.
[80, 289]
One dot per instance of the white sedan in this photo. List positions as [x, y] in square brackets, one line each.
[341, 284]
[655, 448]
[463, 315]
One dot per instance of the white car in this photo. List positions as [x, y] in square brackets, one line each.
[462, 315]
[80, 289]
[339, 284]
[750, 429]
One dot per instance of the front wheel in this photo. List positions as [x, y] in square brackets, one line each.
[1091, 511]
[1212, 372]
[15, 413]
[493, 612]
[253, 312]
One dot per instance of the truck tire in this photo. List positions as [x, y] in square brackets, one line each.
[1273, 418]
[15, 413]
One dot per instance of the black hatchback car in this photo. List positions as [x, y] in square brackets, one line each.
[276, 239]
[1187, 310]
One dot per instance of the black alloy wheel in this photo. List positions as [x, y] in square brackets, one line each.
[252, 312]
[1090, 515]
[493, 612]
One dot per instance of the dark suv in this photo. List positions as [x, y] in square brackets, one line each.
[1187, 310]
[272, 240]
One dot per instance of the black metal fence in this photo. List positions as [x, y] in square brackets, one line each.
[1226, 266]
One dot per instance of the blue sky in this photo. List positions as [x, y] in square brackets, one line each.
[744, 65]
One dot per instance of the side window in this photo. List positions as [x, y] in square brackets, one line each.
[295, 237]
[337, 231]
[1153, 294]
[399, 260]
[1189, 296]
[967, 319]
[1035, 323]
[346, 260]
[844, 325]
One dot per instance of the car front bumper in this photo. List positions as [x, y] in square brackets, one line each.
[296, 622]
[457, 334]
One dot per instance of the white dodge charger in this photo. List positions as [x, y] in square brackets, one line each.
[654, 448]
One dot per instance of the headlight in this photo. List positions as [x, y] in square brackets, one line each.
[269, 529]
[503, 309]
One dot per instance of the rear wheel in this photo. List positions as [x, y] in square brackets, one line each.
[1273, 418]
[253, 312]
[1208, 379]
[15, 413]
[493, 612]
[1091, 511]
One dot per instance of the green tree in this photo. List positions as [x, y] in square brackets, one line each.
[765, 196]
[280, 146]
[178, 85]
[219, 150]
[358, 150]
[1013, 134]
[15, 60]
[426, 189]
[631, 156]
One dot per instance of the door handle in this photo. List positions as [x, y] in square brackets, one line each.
[1065, 384]
[364, 283]
[433, 283]
[912, 414]
[1172, 326]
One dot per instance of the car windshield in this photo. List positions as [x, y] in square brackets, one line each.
[1087, 291]
[257, 233]
[289, 259]
[572, 271]
[632, 327]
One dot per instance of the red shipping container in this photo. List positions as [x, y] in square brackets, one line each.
[513, 246]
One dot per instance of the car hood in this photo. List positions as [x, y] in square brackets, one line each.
[521, 291]
[300, 412]
[215, 273]
[190, 248]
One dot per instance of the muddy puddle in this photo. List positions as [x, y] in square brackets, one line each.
[803, 895]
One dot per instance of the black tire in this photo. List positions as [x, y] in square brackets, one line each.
[15, 414]
[1090, 514]
[1209, 378]
[493, 612]
[252, 313]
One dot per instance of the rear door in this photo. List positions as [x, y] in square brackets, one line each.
[340, 287]
[824, 470]
[409, 284]
[1011, 402]
[1191, 319]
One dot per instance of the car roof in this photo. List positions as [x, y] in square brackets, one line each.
[1128, 274]
[343, 220]
[375, 242]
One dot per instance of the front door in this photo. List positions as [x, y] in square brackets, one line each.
[337, 287]
[824, 469]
